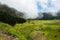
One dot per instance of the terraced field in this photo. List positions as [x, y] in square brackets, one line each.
[31, 30]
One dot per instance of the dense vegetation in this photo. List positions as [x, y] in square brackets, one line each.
[10, 15]
[48, 16]
[34, 30]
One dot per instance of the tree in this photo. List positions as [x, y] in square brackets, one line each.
[58, 15]
[47, 16]
[20, 14]
[8, 15]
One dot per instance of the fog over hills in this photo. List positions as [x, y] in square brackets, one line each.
[33, 7]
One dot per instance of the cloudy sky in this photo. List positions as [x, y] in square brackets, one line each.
[33, 7]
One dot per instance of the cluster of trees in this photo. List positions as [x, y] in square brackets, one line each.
[48, 16]
[10, 15]
[58, 15]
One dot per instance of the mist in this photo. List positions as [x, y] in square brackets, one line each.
[31, 8]
[27, 6]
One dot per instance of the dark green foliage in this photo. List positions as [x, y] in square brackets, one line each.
[58, 15]
[29, 38]
[56, 36]
[8, 15]
[47, 16]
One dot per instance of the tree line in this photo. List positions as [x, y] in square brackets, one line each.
[10, 15]
[48, 16]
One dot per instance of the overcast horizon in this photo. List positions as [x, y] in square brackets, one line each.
[33, 7]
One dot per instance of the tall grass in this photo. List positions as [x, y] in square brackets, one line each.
[49, 28]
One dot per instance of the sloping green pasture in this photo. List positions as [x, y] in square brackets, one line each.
[47, 29]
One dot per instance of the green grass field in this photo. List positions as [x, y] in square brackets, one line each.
[34, 30]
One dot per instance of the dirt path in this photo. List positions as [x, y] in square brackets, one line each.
[4, 36]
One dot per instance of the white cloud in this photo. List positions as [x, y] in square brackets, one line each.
[43, 3]
[28, 6]
[55, 5]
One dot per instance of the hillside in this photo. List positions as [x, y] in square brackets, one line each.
[31, 30]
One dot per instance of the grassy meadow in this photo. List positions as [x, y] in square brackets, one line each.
[33, 30]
